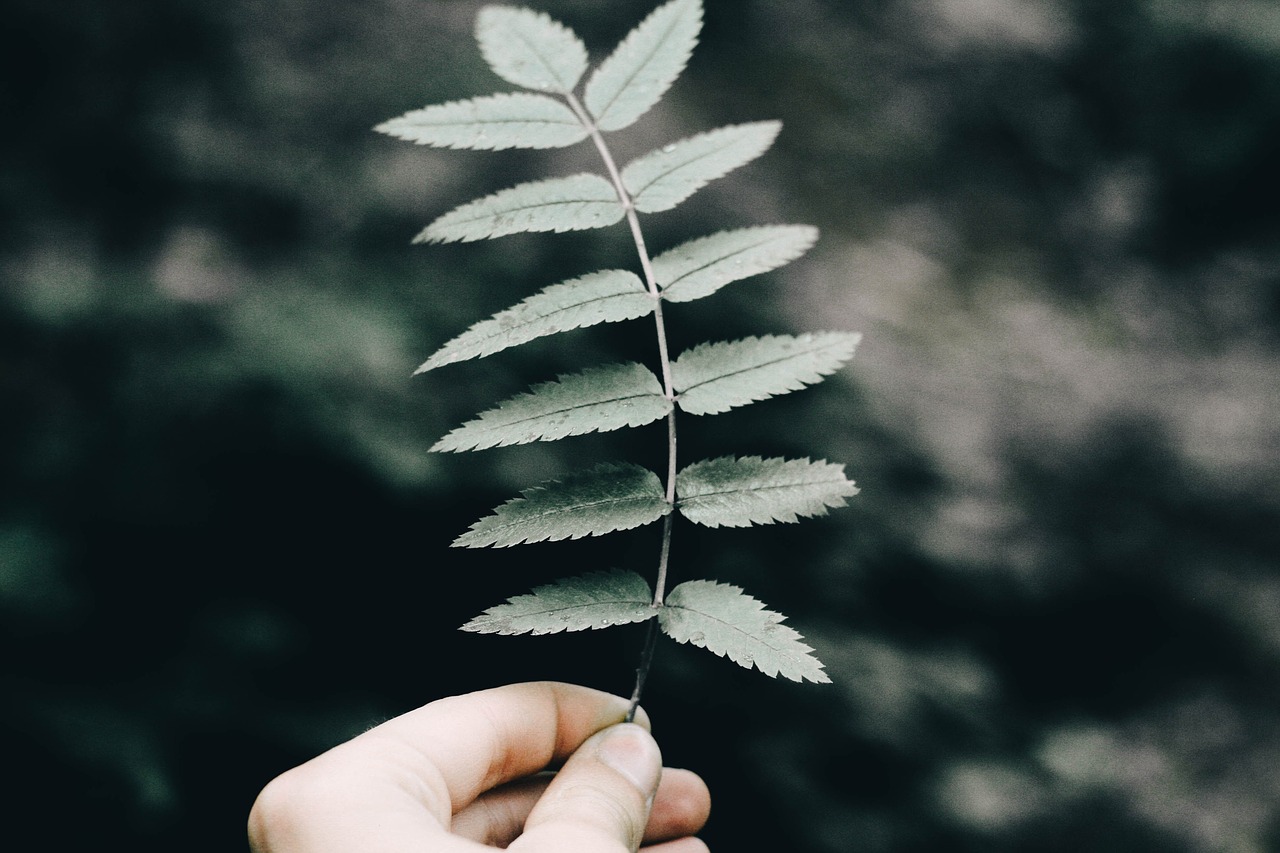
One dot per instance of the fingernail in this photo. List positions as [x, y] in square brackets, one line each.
[631, 751]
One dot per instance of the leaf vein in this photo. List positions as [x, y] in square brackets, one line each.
[577, 507]
[780, 649]
[592, 405]
[676, 167]
[511, 211]
[723, 258]
[762, 488]
[761, 364]
[657, 45]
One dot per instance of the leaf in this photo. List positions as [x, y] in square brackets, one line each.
[714, 378]
[492, 123]
[594, 600]
[607, 296]
[559, 204]
[700, 267]
[608, 497]
[641, 69]
[729, 492]
[663, 178]
[596, 400]
[530, 49]
[722, 619]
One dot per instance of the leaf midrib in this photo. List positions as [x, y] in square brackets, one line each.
[546, 65]
[759, 366]
[495, 412]
[718, 620]
[640, 602]
[721, 259]
[640, 67]
[572, 509]
[684, 164]
[760, 488]
[480, 339]
[493, 121]
[506, 211]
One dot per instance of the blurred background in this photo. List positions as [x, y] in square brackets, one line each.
[1052, 615]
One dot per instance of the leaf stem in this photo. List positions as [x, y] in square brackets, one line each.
[642, 671]
[668, 387]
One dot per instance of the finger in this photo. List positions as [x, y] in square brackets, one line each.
[455, 749]
[680, 808]
[498, 817]
[409, 775]
[682, 845]
[600, 800]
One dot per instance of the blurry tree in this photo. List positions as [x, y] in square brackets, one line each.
[1053, 614]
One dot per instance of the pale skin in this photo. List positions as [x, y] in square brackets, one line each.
[468, 773]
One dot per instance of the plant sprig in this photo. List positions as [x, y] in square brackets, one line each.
[529, 49]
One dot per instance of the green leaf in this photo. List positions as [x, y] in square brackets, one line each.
[492, 123]
[596, 400]
[594, 600]
[608, 497]
[729, 492]
[641, 69]
[701, 267]
[663, 178]
[722, 619]
[714, 378]
[608, 296]
[530, 49]
[559, 204]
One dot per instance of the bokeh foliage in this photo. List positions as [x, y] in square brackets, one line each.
[1053, 613]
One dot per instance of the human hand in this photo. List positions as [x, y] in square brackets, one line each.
[464, 773]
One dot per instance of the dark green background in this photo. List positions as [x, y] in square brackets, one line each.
[1052, 615]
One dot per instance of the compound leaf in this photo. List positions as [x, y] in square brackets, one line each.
[594, 600]
[530, 49]
[491, 123]
[714, 378]
[663, 178]
[641, 69]
[722, 619]
[607, 296]
[729, 492]
[608, 497]
[559, 204]
[700, 267]
[599, 399]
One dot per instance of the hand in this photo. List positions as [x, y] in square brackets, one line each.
[465, 772]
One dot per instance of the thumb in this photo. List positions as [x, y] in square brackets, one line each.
[599, 801]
